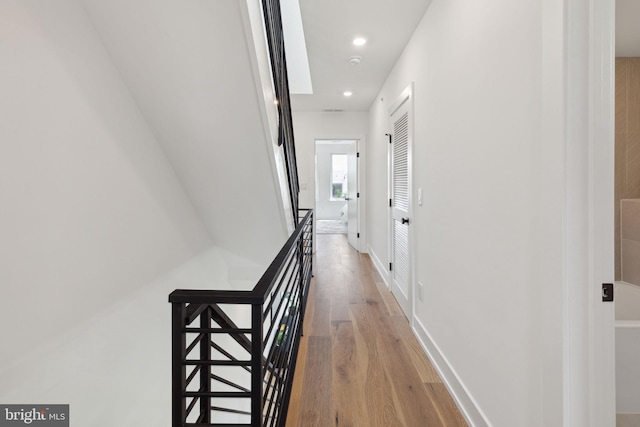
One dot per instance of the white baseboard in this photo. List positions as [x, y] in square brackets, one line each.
[466, 403]
[379, 266]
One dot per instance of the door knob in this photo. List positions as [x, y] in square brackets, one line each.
[405, 220]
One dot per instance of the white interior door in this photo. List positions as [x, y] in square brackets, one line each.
[353, 196]
[400, 204]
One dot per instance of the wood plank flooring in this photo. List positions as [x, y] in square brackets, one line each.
[627, 420]
[359, 363]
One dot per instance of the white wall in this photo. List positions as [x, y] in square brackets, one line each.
[477, 69]
[114, 369]
[309, 126]
[325, 207]
[96, 228]
[91, 209]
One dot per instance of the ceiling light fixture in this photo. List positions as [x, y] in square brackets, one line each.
[347, 93]
[359, 41]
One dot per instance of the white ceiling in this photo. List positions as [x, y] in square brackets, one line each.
[329, 28]
[627, 28]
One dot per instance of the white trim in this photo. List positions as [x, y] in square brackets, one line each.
[360, 147]
[465, 401]
[384, 273]
[362, 201]
[576, 214]
[550, 229]
[588, 352]
[358, 205]
[406, 97]
[601, 227]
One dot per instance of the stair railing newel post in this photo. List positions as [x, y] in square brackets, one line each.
[178, 370]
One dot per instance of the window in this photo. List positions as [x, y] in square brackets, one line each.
[338, 176]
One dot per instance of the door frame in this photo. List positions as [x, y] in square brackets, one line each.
[356, 143]
[361, 160]
[602, 145]
[588, 58]
[405, 97]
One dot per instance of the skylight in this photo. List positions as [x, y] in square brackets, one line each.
[295, 49]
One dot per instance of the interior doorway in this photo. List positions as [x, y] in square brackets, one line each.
[400, 201]
[337, 190]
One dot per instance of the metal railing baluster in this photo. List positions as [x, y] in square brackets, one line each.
[265, 351]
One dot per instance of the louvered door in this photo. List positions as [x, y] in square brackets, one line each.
[400, 154]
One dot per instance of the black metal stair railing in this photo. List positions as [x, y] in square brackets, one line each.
[275, 40]
[234, 352]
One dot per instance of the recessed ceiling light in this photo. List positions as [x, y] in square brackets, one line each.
[347, 93]
[359, 41]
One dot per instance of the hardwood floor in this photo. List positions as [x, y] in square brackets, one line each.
[359, 363]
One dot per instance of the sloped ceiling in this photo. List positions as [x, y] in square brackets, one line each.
[187, 65]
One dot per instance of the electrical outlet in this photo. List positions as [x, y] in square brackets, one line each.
[420, 291]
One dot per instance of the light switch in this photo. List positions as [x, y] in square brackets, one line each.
[419, 196]
[303, 185]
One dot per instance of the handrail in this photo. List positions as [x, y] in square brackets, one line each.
[236, 363]
[257, 294]
[275, 41]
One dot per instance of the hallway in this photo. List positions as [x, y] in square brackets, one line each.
[359, 364]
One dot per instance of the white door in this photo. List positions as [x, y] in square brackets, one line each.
[400, 203]
[353, 195]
